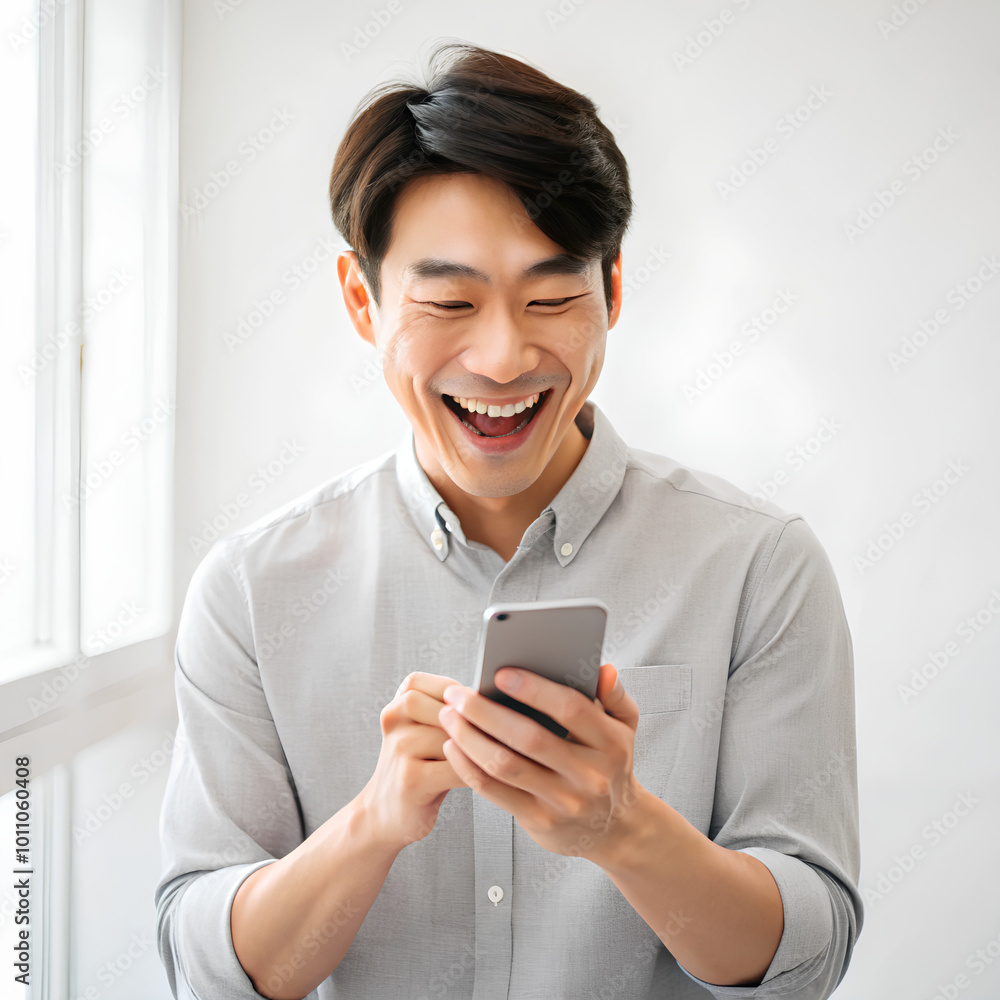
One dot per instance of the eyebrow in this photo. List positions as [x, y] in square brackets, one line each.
[436, 267]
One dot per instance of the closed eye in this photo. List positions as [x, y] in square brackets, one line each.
[534, 302]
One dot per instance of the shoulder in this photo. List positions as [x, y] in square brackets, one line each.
[702, 493]
[302, 529]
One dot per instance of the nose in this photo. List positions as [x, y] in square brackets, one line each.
[501, 348]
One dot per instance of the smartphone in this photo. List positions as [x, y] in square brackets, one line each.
[561, 640]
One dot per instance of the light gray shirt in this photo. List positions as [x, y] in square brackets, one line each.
[726, 626]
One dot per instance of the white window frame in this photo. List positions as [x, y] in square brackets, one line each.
[55, 678]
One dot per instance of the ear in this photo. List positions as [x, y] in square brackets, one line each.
[616, 291]
[357, 298]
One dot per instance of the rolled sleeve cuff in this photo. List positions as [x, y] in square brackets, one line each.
[201, 953]
[807, 936]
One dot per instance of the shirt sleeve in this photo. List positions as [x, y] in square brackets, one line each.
[786, 787]
[230, 806]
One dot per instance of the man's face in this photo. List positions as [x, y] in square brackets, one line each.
[498, 336]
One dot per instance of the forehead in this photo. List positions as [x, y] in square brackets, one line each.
[476, 193]
[474, 221]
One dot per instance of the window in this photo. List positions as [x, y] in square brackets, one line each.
[88, 242]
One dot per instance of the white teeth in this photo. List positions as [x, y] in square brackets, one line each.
[507, 410]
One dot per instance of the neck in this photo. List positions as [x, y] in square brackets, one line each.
[500, 522]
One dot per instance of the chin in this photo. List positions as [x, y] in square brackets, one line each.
[492, 486]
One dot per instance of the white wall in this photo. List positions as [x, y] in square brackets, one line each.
[890, 94]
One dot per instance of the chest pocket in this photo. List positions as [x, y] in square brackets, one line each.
[664, 687]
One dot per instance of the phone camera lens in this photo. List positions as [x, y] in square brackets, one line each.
[501, 618]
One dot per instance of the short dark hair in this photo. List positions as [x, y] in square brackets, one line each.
[483, 112]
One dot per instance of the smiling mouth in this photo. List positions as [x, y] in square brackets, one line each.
[528, 415]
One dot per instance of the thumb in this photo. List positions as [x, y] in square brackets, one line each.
[613, 696]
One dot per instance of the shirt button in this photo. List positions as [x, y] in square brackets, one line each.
[495, 893]
[437, 538]
[566, 549]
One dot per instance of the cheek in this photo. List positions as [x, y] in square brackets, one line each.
[581, 346]
[406, 358]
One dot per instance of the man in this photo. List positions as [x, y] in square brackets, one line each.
[345, 816]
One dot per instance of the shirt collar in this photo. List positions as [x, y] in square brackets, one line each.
[574, 511]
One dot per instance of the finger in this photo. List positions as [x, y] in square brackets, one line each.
[443, 775]
[430, 684]
[586, 721]
[422, 742]
[615, 699]
[530, 738]
[498, 762]
[511, 799]
[418, 706]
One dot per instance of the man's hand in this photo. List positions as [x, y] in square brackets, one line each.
[412, 775]
[567, 794]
